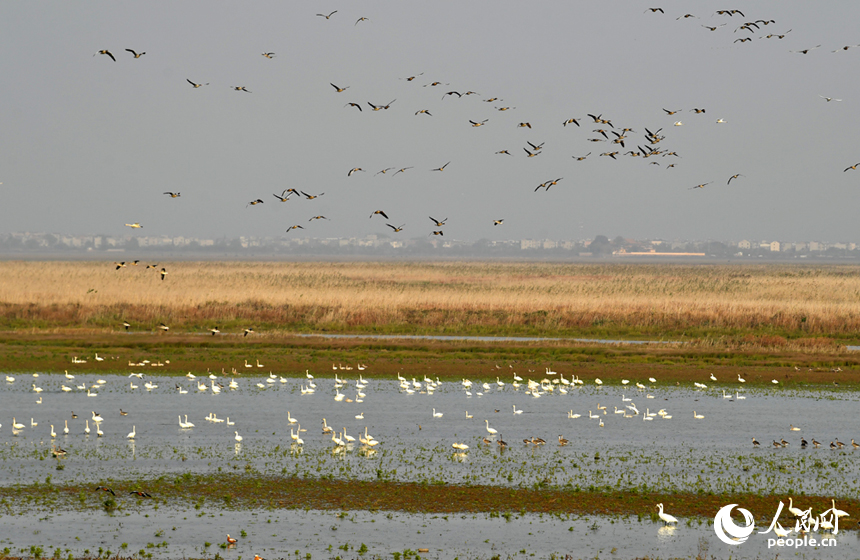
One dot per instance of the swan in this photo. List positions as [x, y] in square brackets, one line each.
[33, 424]
[131, 385]
[215, 388]
[181, 423]
[499, 382]
[794, 428]
[229, 423]
[348, 439]
[590, 415]
[238, 438]
[738, 396]
[97, 418]
[87, 429]
[290, 419]
[725, 396]
[132, 433]
[837, 512]
[37, 389]
[65, 389]
[625, 399]
[515, 409]
[337, 441]
[741, 379]
[793, 510]
[359, 416]
[436, 414]
[66, 429]
[489, 429]
[53, 433]
[468, 415]
[698, 416]
[91, 394]
[713, 378]
[99, 431]
[201, 386]
[598, 381]
[665, 516]
[150, 386]
[233, 384]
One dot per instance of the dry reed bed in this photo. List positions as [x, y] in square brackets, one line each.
[448, 296]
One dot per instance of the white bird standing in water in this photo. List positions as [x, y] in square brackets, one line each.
[665, 516]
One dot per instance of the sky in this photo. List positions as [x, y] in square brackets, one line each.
[88, 144]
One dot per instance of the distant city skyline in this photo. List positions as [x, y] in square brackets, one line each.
[94, 141]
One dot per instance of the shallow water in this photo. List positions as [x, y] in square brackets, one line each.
[677, 454]
[171, 533]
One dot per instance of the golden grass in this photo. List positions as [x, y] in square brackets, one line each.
[445, 296]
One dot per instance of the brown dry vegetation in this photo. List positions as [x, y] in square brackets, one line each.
[770, 303]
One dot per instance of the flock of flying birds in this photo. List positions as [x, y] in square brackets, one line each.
[621, 141]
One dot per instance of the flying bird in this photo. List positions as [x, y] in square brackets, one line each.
[240, 88]
[353, 170]
[135, 225]
[458, 94]
[851, 167]
[401, 170]
[477, 124]
[570, 121]
[356, 105]
[423, 111]
[654, 10]
[312, 196]
[828, 99]
[498, 222]
[284, 196]
[702, 186]
[581, 158]
[318, 218]
[328, 16]
[107, 52]
[437, 233]
[441, 168]
[294, 227]
[163, 273]
[254, 202]
[269, 54]
[735, 176]
[744, 40]
[195, 86]
[504, 152]
[805, 51]
[396, 229]
[714, 28]
[384, 171]
[173, 194]
[136, 55]
[360, 19]
[338, 88]
[524, 125]
[439, 223]
[381, 213]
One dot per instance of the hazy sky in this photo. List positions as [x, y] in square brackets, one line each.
[89, 144]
